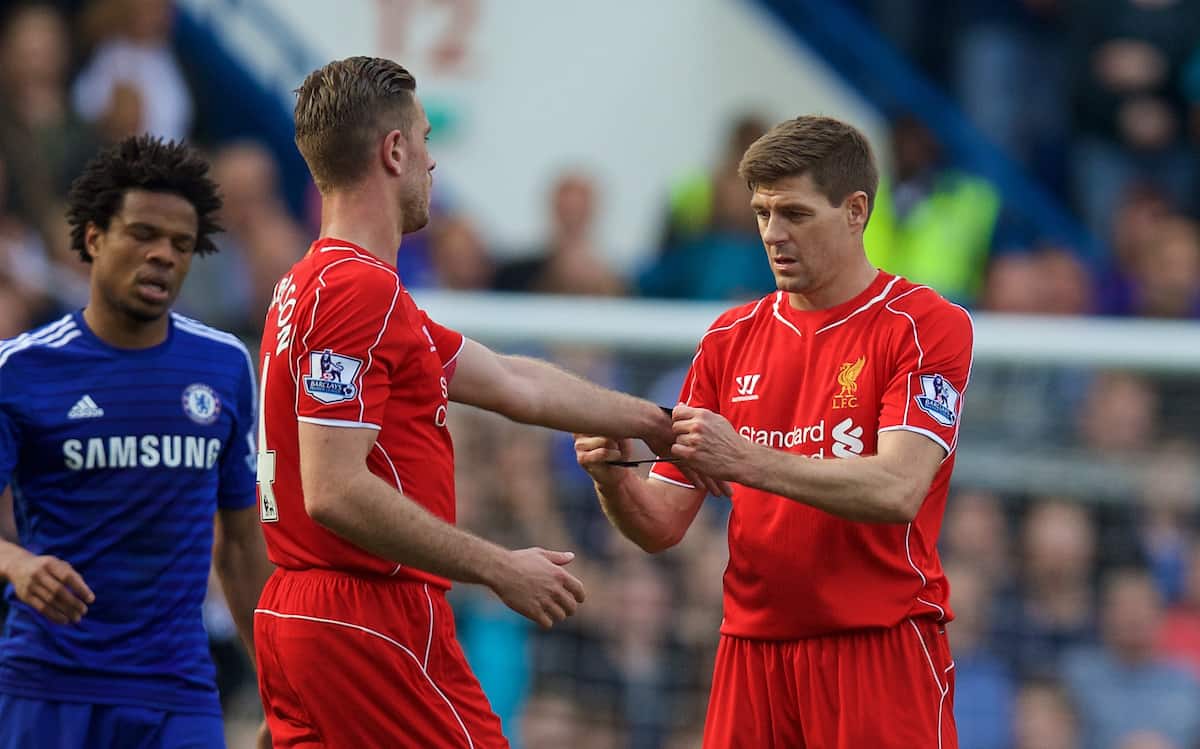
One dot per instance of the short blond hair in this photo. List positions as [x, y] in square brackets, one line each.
[343, 108]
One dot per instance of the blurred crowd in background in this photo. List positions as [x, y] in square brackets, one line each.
[1078, 600]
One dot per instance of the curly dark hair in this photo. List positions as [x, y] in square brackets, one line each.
[142, 162]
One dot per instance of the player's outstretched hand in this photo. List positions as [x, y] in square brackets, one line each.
[594, 453]
[51, 587]
[534, 584]
[707, 443]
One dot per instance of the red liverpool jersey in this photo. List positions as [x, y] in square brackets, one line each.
[824, 384]
[345, 346]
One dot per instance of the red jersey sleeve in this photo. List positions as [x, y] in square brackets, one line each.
[449, 344]
[347, 353]
[932, 365]
[699, 391]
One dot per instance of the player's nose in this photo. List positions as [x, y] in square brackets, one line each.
[773, 233]
[161, 252]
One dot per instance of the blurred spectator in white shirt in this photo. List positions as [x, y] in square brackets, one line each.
[132, 41]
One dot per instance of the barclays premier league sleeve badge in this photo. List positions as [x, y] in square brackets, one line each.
[938, 398]
[331, 376]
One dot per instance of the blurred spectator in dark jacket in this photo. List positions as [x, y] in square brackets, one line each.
[1129, 110]
[572, 260]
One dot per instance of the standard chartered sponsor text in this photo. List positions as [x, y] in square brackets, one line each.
[845, 438]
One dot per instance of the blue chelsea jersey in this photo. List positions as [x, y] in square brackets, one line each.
[119, 460]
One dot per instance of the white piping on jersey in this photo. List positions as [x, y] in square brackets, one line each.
[339, 423]
[391, 465]
[700, 345]
[916, 339]
[943, 689]
[429, 642]
[197, 328]
[869, 303]
[905, 425]
[57, 338]
[461, 346]
[775, 310]
[365, 256]
[962, 397]
[924, 581]
[924, 432]
[312, 323]
[385, 638]
[362, 406]
[399, 488]
[654, 475]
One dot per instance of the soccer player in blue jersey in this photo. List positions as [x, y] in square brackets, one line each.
[125, 430]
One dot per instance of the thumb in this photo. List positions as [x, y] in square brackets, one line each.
[559, 557]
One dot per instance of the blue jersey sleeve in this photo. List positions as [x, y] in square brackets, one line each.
[9, 445]
[10, 442]
[237, 479]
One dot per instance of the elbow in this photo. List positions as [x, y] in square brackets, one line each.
[901, 505]
[655, 545]
[322, 503]
[660, 542]
[321, 511]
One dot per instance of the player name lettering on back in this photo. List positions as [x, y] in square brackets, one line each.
[283, 301]
[147, 451]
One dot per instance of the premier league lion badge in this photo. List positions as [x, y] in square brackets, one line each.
[939, 399]
[331, 376]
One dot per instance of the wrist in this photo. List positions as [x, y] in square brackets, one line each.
[10, 555]
[749, 465]
[655, 423]
[609, 481]
[496, 567]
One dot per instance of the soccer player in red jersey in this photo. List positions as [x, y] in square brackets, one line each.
[832, 406]
[354, 639]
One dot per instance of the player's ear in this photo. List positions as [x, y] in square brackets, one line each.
[91, 239]
[856, 208]
[394, 152]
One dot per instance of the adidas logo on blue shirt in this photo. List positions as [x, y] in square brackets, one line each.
[85, 408]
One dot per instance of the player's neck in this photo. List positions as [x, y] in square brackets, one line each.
[122, 331]
[843, 287]
[370, 223]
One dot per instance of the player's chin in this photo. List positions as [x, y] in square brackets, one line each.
[417, 221]
[147, 310]
[789, 284]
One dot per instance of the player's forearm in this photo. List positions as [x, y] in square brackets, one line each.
[557, 399]
[861, 489]
[8, 520]
[370, 514]
[242, 568]
[631, 505]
